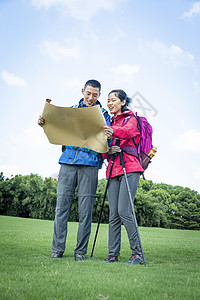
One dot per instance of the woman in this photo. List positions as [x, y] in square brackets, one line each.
[124, 130]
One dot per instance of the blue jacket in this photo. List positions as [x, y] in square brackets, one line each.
[83, 156]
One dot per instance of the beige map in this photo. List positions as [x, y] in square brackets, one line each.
[81, 127]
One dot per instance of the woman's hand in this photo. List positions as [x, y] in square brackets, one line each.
[108, 131]
[41, 121]
[114, 149]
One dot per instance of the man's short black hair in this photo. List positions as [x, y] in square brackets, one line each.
[94, 83]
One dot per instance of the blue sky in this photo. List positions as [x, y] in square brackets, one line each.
[149, 48]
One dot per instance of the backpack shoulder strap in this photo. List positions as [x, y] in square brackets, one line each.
[125, 122]
[103, 110]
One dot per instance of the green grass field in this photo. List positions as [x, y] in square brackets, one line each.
[27, 272]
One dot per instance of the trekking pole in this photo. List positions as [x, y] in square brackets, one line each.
[104, 198]
[131, 201]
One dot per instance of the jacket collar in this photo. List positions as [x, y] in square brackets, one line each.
[123, 115]
[81, 104]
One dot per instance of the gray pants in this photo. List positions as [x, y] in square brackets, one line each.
[121, 212]
[86, 178]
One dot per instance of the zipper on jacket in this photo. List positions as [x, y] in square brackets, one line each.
[74, 157]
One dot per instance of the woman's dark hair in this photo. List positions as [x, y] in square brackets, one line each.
[94, 83]
[122, 96]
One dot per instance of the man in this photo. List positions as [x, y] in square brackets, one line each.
[79, 167]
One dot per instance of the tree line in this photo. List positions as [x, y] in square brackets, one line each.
[156, 205]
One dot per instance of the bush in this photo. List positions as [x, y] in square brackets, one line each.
[156, 205]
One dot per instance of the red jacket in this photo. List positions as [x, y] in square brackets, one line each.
[125, 133]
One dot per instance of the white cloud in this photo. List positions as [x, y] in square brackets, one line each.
[12, 79]
[125, 71]
[57, 52]
[79, 9]
[174, 53]
[190, 140]
[195, 10]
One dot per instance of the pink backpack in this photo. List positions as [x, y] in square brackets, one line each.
[145, 144]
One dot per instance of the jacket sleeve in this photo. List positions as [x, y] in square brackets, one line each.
[107, 118]
[127, 131]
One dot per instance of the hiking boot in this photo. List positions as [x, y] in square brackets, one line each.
[79, 257]
[56, 255]
[135, 260]
[111, 259]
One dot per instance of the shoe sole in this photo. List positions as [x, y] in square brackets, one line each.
[137, 263]
[110, 262]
